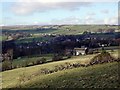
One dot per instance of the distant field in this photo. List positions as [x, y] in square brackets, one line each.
[79, 29]
[81, 59]
[68, 29]
[3, 38]
[37, 34]
[0, 38]
[22, 61]
[13, 75]
[31, 39]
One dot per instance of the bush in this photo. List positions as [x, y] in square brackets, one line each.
[25, 64]
[102, 58]
[14, 66]
[45, 71]
[41, 61]
[30, 64]
[57, 57]
[6, 65]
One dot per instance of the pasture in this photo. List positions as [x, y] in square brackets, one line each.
[13, 75]
[64, 29]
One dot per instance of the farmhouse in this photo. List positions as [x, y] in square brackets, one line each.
[80, 51]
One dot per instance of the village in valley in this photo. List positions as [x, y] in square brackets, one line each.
[25, 44]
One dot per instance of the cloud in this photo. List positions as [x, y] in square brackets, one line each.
[2, 24]
[91, 13]
[88, 19]
[105, 11]
[25, 8]
[112, 20]
[59, 0]
[68, 20]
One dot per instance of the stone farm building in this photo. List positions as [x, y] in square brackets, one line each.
[79, 51]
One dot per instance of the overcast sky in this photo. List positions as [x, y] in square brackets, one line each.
[44, 12]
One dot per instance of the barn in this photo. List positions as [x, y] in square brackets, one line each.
[80, 51]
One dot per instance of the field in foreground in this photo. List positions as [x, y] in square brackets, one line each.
[13, 75]
[101, 75]
[96, 76]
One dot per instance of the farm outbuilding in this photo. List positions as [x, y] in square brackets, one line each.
[80, 51]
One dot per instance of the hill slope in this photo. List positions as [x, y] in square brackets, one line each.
[91, 76]
[13, 75]
[60, 29]
[96, 76]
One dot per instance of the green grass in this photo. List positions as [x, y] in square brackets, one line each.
[21, 61]
[10, 77]
[18, 62]
[15, 73]
[2, 38]
[31, 39]
[73, 29]
[79, 29]
[97, 76]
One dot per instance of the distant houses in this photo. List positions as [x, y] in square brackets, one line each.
[77, 51]
[81, 51]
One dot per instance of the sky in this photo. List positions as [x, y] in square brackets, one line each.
[56, 12]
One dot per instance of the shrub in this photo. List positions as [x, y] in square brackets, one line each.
[25, 64]
[41, 61]
[45, 71]
[57, 57]
[30, 64]
[14, 66]
[76, 65]
[6, 65]
[102, 58]
[112, 50]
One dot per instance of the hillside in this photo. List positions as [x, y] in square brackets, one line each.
[76, 77]
[59, 29]
[97, 76]
[15, 73]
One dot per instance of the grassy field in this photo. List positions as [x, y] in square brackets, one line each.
[79, 29]
[69, 29]
[2, 38]
[31, 39]
[11, 77]
[80, 59]
[22, 61]
[64, 30]
[97, 76]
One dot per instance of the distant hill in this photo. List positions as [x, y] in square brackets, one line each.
[61, 29]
